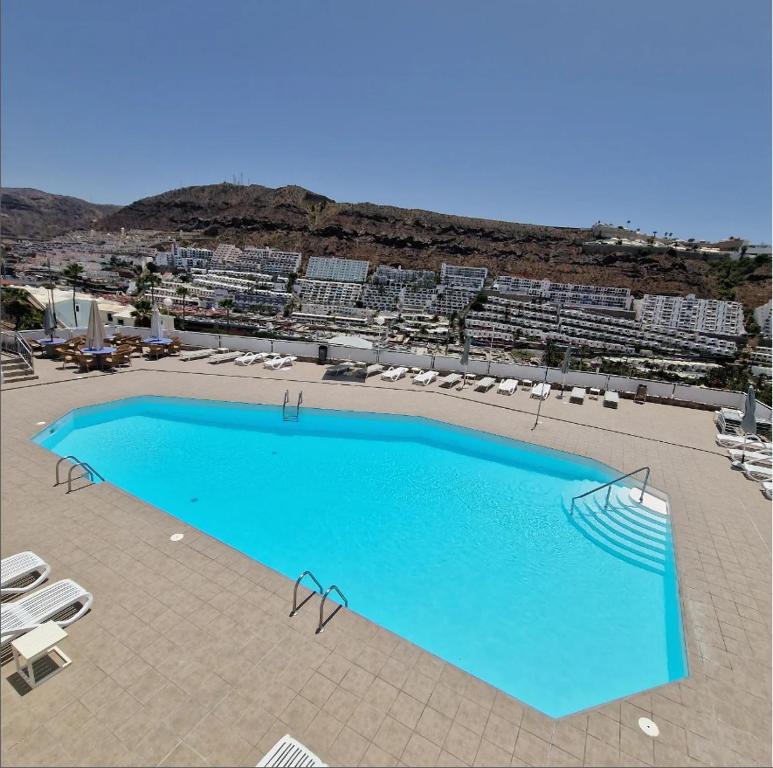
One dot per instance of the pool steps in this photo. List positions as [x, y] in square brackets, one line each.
[625, 529]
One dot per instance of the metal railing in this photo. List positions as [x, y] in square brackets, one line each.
[345, 604]
[332, 588]
[289, 415]
[609, 485]
[296, 605]
[16, 344]
[90, 472]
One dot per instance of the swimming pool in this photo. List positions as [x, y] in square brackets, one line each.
[457, 540]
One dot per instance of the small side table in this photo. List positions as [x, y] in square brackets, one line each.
[593, 393]
[36, 644]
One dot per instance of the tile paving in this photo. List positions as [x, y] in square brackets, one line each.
[189, 658]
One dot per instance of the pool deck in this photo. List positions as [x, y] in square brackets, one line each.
[188, 656]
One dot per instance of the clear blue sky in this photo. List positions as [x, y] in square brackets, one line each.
[534, 111]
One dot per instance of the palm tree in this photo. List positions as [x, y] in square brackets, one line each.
[141, 312]
[150, 280]
[227, 305]
[72, 273]
[183, 292]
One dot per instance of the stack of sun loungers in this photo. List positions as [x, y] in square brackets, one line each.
[21, 573]
[507, 386]
[224, 357]
[450, 380]
[611, 399]
[425, 377]
[196, 354]
[577, 395]
[485, 383]
[541, 390]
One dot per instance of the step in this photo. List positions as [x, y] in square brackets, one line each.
[8, 365]
[17, 379]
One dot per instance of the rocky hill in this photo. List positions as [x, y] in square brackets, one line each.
[32, 213]
[294, 218]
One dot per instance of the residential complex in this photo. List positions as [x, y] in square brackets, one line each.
[763, 316]
[688, 313]
[339, 270]
[569, 294]
[469, 278]
[502, 320]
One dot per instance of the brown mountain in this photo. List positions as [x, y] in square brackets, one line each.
[32, 213]
[297, 219]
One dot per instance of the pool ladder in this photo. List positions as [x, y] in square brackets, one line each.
[89, 472]
[287, 412]
[319, 590]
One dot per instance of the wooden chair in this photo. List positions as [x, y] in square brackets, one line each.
[85, 362]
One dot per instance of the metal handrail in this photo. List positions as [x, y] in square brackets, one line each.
[286, 402]
[296, 606]
[76, 462]
[609, 485]
[14, 342]
[322, 623]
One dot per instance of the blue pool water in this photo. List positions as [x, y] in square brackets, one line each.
[459, 541]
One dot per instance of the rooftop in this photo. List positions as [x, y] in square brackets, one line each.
[188, 656]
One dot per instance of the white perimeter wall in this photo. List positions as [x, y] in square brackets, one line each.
[310, 349]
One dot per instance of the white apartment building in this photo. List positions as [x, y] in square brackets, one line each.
[471, 278]
[272, 261]
[394, 276]
[502, 319]
[226, 256]
[763, 316]
[337, 270]
[687, 313]
[190, 258]
[568, 294]
[328, 291]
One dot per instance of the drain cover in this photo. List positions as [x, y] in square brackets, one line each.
[649, 727]
[176, 536]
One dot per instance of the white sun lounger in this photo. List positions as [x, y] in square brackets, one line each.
[280, 362]
[736, 441]
[540, 391]
[289, 753]
[486, 383]
[577, 395]
[251, 357]
[450, 380]
[393, 374]
[196, 354]
[611, 399]
[33, 610]
[751, 453]
[757, 471]
[767, 489]
[373, 369]
[507, 386]
[17, 567]
[425, 378]
[224, 357]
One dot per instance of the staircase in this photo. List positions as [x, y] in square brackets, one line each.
[625, 529]
[13, 369]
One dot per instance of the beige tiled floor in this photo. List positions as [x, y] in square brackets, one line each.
[189, 658]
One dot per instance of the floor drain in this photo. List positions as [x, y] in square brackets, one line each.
[176, 536]
[649, 727]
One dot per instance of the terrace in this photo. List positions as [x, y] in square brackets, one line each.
[188, 656]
